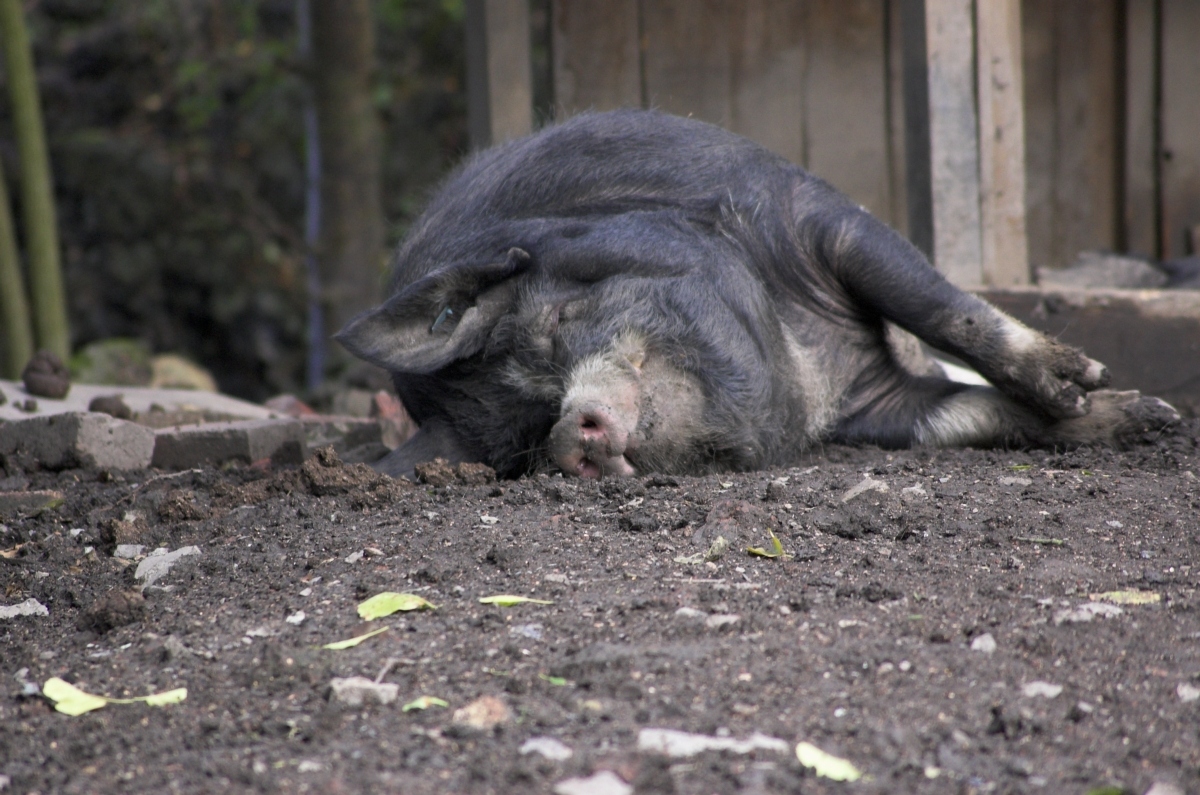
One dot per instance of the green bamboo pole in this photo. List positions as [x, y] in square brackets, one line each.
[37, 205]
[16, 346]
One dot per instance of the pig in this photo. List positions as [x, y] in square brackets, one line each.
[632, 292]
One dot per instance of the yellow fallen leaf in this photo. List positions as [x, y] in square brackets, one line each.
[826, 765]
[775, 552]
[71, 700]
[351, 642]
[386, 603]
[507, 600]
[1128, 597]
[424, 702]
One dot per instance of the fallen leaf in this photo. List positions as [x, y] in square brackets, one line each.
[70, 700]
[388, 602]
[507, 600]
[1128, 597]
[776, 549]
[351, 642]
[557, 681]
[424, 702]
[826, 765]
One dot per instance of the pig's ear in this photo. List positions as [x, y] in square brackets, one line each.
[441, 318]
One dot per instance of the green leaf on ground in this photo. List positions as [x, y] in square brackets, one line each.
[507, 600]
[1128, 597]
[424, 702]
[351, 642]
[388, 602]
[70, 700]
[826, 765]
[776, 550]
[557, 681]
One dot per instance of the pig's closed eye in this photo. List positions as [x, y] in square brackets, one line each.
[444, 320]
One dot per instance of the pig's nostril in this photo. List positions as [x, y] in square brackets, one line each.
[591, 426]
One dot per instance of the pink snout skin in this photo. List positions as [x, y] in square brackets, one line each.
[591, 441]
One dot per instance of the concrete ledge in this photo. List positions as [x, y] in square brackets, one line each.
[1149, 339]
[137, 398]
[248, 441]
[78, 439]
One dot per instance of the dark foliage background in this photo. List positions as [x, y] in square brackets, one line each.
[177, 146]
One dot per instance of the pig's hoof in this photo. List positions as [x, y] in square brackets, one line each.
[1118, 419]
[1054, 379]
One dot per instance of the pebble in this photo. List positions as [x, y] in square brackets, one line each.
[358, 690]
[1187, 693]
[984, 643]
[682, 744]
[1042, 689]
[548, 747]
[156, 565]
[1087, 612]
[605, 782]
[863, 486]
[30, 607]
[484, 713]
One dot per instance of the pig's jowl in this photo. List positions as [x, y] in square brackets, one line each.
[633, 292]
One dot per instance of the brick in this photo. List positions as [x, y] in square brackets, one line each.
[248, 441]
[77, 439]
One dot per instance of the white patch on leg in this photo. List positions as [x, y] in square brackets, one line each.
[973, 416]
[960, 374]
[1020, 337]
[813, 382]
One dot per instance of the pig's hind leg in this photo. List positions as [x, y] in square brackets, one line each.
[886, 275]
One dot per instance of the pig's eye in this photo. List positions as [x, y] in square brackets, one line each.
[447, 316]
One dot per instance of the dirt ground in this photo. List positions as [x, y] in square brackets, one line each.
[930, 626]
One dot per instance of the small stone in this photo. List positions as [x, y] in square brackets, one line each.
[1087, 612]
[30, 607]
[156, 565]
[719, 620]
[604, 782]
[1164, 788]
[112, 405]
[548, 747]
[484, 713]
[46, 376]
[985, 643]
[355, 691]
[1187, 693]
[863, 486]
[690, 612]
[128, 551]
[1041, 689]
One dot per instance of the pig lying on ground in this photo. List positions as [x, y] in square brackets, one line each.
[632, 292]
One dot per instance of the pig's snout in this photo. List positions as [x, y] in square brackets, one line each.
[591, 441]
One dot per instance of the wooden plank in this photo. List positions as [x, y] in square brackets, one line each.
[1038, 66]
[499, 71]
[767, 63]
[1004, 246]
[1180, 125]
[686, 63]
[953, 143]
[845, 98]
[1072, 125]
[917, 172]
[1140, 197]
[1085, 195]
[596, 56]
[897, 188]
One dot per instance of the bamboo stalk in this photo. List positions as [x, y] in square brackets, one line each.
[16, 345]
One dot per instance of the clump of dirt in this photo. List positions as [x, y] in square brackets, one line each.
[947, 621]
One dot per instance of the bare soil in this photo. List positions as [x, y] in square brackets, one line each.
[861, 642]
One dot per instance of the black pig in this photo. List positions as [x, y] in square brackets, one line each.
[633, 292]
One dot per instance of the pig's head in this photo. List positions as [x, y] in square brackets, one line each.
[594, 350]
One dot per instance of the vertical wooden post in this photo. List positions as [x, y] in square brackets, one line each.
[943, 173]
[1139, 191]
[1004, 243]
[499, 72]
[1180, 153]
